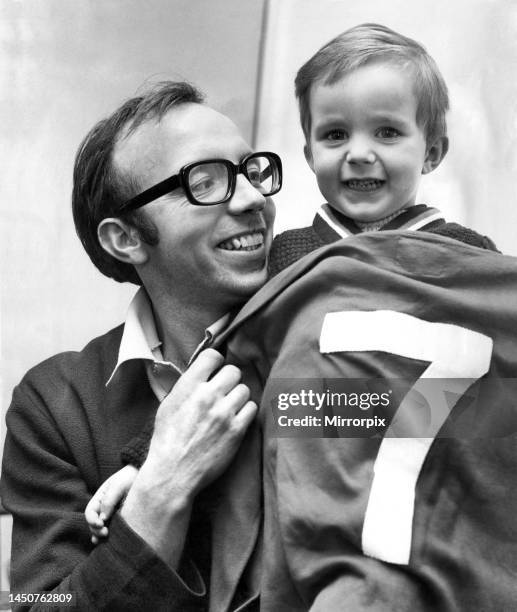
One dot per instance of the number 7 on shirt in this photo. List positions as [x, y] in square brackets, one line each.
[456, 355]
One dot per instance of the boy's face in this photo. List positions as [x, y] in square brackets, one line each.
[366, 148]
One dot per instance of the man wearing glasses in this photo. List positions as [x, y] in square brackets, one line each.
[167, 195]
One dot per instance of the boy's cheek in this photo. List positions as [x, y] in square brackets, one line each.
[319, 158]
[309, 158]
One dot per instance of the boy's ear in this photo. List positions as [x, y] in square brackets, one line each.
[308, 155]
[122, 241]
[435, 153]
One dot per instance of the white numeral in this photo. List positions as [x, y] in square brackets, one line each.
[457, 355]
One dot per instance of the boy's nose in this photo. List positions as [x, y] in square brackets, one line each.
[367, 157]
[246, 197]
[359, 151]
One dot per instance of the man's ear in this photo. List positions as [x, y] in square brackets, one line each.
[308, 155]
[122, 241]
[435, 153]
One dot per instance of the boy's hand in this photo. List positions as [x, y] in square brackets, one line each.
[108, 496]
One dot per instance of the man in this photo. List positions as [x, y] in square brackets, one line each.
[167, 194]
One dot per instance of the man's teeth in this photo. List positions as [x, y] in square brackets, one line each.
[248, 242]
[364, 184]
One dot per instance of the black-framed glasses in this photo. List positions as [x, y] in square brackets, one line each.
[212, 181]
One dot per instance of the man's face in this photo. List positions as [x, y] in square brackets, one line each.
[207, 254]
[366, 148]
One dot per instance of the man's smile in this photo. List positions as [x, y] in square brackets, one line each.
[250, 241]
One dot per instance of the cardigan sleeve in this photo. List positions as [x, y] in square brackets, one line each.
[45, 492]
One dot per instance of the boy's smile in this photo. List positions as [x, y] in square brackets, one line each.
[368, 184]
[366, 148]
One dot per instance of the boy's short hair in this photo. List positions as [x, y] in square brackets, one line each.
[371, 42]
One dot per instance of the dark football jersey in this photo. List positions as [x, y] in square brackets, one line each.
[416, 510]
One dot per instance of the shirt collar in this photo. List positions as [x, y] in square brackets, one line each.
[140, 338]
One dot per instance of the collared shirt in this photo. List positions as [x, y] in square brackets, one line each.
[140, 341]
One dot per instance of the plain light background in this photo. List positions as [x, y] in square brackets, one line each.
[65, 64]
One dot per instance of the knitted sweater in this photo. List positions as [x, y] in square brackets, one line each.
[292, 245]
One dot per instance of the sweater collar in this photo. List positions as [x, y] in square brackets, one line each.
[332, 225]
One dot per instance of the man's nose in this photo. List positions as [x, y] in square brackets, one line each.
[360, 151]
[246, 197]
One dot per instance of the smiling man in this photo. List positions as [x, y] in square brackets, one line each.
[167, 195]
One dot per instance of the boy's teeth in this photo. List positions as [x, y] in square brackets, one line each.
[249, 242]
[364, 184]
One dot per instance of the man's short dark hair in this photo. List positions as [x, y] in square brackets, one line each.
[99, 190]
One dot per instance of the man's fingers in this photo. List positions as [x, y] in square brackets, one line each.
[207, 380]
[245, 416]
[235, 399]
[203, 367]
[225, 380]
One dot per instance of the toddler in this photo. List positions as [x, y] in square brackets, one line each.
[373, 110]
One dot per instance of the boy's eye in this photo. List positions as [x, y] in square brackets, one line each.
[335, 135]
[387, 132]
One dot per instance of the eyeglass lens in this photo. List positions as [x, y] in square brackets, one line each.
[210, 182]
[260, 174]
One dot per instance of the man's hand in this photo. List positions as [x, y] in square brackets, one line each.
[200, 424]
[198, 429]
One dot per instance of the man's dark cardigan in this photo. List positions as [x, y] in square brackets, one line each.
[65, 432]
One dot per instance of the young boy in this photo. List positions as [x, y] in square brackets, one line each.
[372, 108]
